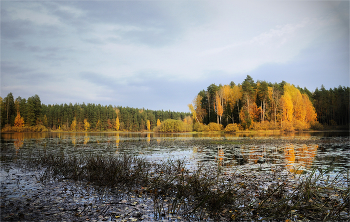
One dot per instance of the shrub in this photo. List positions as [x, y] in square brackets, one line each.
[37, 128]
[233, 127]
[287, 126]
[299, 125]
[187, 127]
[215, 127]
[261, 125]
[171, 126]
[200, 127]
[316, 125]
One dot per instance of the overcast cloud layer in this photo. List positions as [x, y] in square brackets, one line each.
[160, 54]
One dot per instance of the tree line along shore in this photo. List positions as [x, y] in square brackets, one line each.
[250, 105]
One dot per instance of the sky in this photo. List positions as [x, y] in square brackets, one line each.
[159, 55]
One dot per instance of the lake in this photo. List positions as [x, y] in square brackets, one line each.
[251, 164]
[297, 152]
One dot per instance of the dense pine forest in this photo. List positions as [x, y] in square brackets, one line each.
[30, 114]
[253, 105]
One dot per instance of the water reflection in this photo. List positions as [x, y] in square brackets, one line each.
[296, 157]
[289, 155]
[117, 140]
[86, 138]
[18, 143]
[14, 136]
[221, 155]
[148, 137]
[257, 155]
[74, 141]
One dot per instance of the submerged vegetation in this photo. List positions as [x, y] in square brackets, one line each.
[204, 192]
[251, 105]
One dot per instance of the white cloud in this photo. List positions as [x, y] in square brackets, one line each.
[73, 11]
[33, 13]
[175, 45]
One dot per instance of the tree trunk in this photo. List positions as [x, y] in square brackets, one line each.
[264, 104]
[261, 111]
[239, 118]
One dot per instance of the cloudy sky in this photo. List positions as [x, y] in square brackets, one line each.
[160, 54]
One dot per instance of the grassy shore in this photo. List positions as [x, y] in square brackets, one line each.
[208, 193]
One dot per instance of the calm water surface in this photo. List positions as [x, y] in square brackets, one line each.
[296, 152]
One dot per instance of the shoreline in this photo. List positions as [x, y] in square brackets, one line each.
[193, 132]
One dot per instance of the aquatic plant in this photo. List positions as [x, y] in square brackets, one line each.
[207, 192]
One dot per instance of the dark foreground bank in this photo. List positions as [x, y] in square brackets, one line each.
[97, 188]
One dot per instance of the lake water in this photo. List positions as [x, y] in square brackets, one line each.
[296, 152]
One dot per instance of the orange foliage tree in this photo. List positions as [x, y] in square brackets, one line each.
[73, 126]
[117, 124]
[19, 121]
[235, 94]
[193, 111]
[311, 115]
[86, 125]
[218, 106]
[287, 107]
[148, 125]
[197, 105]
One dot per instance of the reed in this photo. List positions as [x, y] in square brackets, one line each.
[207, 192]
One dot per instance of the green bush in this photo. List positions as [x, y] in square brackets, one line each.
[37, 128]
[171, 126]
[200, 127]
[187, 127]
[215, 127]
[233, 127]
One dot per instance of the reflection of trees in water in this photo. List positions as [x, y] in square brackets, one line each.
[295, 156]
[300, 157]
[74, 141]
[256, 154]
[289, 155]
[148, 137]
[19, 138]
[86, 138]
[221, 155]
[24, 135]
[117, 140]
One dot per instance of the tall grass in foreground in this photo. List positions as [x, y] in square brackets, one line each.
[208, 193]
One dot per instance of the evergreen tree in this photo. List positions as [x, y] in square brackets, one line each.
[9, 111]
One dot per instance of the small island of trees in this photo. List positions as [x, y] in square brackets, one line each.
[247, 106]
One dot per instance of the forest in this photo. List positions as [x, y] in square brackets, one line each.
[31, 115]
[250, 105]
[263, 105]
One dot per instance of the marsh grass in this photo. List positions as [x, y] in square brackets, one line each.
[205, 192]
